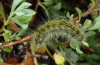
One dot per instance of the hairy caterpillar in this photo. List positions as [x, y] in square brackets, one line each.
[57, 30]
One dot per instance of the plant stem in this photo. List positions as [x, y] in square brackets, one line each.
[48, 52]
[35, 61]
[9, 19]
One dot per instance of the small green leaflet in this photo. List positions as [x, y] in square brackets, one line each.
[85, 43]
[79, 12]
[78, 49]
[0, 43]
[24, 32]
[71, 16]
[57, 6]
[7, 35]
[93, 1]
[24, 26]
[15, 4]
[96, 24]
[8, 49]
[68, 14]
[23, 5]
[25, 12]
[2, 11]
[1, 60]
[22, 21]
[23, 15]
[90, 33]
[75, 45]
[48, 3]
[86, 25]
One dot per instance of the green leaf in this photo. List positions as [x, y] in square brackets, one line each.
[24, 5]
[21, 23]
[93, 1]
[99, 30]
[24, 32]
[15, 4]
[19, 13]
[17, 37]
[87, 22]
[2, 11]
[47, 0]
[23, 19]
[74, 43]
[24, 26]
[71, 17]
[23, 15]
[25, 12]
[0, 43]
[78, 49]
[57, 6]
[95, 56]
[72, 55]
[1, 60]
[90, 33]
[79, 12]
[48, 3]
[68, 14]
[86, 25]
[6, 35]
[25, 43]
[8, 49]
[85, 43]
[96, 24]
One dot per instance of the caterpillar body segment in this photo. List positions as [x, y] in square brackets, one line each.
[60, 31]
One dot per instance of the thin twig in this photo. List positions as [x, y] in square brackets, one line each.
[91, 10]
[16, 42]
[87, 13]
[37, 5]
[36, 8]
